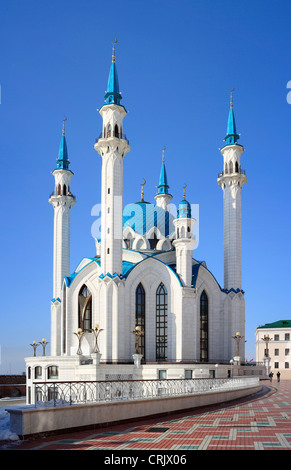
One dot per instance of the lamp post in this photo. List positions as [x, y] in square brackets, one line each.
[138, 333]
[267, 339]
[34, 345]
[43, 344]
[79, 335]
[96, 332]
[137, 356]
[237, 337]
[266, 358]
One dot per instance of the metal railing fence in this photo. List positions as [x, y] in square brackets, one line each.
[85, 392]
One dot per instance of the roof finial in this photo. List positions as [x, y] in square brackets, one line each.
[142, 193]
[113, 50]
[184, 195]
[164, 154]
[64, 120]
[231, 102]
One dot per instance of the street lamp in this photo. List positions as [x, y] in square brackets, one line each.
[237, 338]
[138, 333]
[96, 332]
[34, 345]
[43, 343]
[267, 339]
[79, 335]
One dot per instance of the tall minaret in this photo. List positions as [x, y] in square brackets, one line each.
[163, 197]
[112, 147]
[184, 242]
[62, 201]
[231, 180]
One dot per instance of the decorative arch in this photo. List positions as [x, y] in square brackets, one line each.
[203, 327]
[161, 323]
[140, 309]
[85, 309]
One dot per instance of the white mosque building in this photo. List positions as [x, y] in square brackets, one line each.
[141, 306]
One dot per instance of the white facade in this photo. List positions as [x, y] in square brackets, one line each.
[277, 348]
[142, 274]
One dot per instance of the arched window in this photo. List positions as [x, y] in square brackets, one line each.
[116, 131]
[236, 167]
[226, 169]
[85, 309]
[153, 241]
[59, 190]
[109, 130]
[64, 190]
[140, 316]
[230, 167]
[161, 323]
[204, 327]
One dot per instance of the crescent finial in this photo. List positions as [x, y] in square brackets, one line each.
[231, 102]
[113, 50]
[64, 120]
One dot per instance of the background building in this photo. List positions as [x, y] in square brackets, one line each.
[279, 346]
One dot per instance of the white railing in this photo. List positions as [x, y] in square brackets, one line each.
[70, 393]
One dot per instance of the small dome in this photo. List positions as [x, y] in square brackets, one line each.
[184, 210]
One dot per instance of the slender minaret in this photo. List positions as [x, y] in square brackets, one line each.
[112, 146]
[231, 180]
[62, 201]
[184, 242]
[163, 197]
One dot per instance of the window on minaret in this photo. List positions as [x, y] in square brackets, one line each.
[230, 167]
[64, 190]
[140, 316]
[116, 131]
[161, 323]
[236, 167]
[203, 327]
[109, 130]
[85, 308]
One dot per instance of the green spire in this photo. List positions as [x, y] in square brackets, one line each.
[63, 160]
[163, 187]
[112, 95]
[231, 134]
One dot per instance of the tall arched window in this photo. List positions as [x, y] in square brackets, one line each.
[161, 323]
[140, 316]
[204, 327]
[85, 309]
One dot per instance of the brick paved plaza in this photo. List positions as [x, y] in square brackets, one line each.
[259, 422]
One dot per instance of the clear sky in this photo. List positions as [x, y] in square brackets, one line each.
[177, 61]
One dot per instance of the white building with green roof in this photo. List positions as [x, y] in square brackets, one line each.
[273, 340]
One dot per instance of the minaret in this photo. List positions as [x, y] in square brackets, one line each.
[231, 180]
[112, 146]
[184, 242]
[62, 201]
[163, 197]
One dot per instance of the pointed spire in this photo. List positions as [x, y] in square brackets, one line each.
[231, 134]
[113, 95]
[63, 160]
[163, 187]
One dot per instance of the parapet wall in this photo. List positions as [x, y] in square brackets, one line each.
[30, 421]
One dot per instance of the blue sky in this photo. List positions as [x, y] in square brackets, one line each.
[177, 62]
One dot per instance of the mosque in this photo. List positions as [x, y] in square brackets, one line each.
[142, 306]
